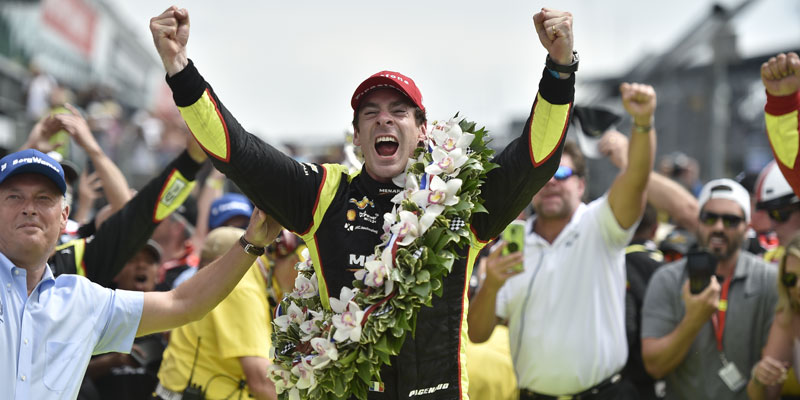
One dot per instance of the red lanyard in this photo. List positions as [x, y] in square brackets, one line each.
[718, 318]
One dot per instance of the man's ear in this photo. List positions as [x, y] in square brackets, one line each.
[64, 218]
[356, 139]
[423, 132]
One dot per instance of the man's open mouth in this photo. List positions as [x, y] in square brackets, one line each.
[386, 146]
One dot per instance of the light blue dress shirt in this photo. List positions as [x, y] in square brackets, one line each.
[47, 338]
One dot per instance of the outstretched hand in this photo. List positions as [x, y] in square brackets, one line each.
[781, 74]
[555, 32]
[40, 135]
[498, 266]
[77, 128]
[170, 34]
[262, 229]
[639, 101]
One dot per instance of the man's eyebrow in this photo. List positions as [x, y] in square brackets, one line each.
[399, 103]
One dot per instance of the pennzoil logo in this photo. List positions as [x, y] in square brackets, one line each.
[351, 215]
[363, 203]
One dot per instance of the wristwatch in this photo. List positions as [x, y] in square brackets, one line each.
[250, 248]
[566, 69]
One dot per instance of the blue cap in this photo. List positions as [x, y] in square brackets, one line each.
[32, 161]
[228, 206]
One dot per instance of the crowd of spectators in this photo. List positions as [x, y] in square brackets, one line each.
[663, 287]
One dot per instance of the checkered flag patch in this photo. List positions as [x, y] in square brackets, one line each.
[470, 151]
[417, 254]
[456, 224]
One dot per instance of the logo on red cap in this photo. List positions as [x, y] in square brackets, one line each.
[391, 79]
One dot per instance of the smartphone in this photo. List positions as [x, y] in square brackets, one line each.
[514, 235]
[700, 266]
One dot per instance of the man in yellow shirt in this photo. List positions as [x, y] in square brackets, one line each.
[227, 351]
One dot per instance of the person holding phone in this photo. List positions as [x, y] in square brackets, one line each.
[705, 344]
[573, 281]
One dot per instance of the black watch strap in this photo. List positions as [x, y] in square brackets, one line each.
[250, 248]
[566, 69]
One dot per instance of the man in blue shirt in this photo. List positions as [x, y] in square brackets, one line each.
[49, 327]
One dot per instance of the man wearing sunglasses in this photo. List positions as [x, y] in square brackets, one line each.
[566, 310]
[704, 345]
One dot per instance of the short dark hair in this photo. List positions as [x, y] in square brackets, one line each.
[578, 161]
[649, 220]
[420, 116]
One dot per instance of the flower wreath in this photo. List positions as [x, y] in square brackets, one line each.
[319, 353]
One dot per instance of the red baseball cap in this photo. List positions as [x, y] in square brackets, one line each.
[391, 79]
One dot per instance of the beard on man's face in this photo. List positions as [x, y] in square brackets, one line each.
[730, 244]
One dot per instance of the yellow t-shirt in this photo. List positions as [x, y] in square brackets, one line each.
[239, 326]
[491, 373]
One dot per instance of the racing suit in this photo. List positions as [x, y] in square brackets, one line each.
[339, 216]
[100, 257]
[782, 116]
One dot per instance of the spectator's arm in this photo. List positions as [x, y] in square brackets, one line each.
[39, 136]
[766, 379]
[662, 355]
[88, 191]
[481, 316]
[197, 296]
[627, 194]
[115, 185]
[255, 371]
[663, 193]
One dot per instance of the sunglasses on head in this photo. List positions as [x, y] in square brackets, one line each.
[563, 172]
[728, 220]
[789, 279]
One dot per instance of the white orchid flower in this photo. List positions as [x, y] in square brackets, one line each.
[305, 288]
[411, 186]
[400, 180]
[294, 314]
[410, 227]
[446, 162]
[440, 195]
[305, 375]
[345, 295]
[451, 137]
[376, 273]
[347, 320]
[280, 377]
[294, 394]
[326, 351]
[310, 328]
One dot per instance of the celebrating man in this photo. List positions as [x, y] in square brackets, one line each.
[338, 213]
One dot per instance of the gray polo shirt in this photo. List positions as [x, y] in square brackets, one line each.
[751, 305]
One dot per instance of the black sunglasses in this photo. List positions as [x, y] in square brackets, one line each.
[789, 279]
[728, 220]
[781, 214]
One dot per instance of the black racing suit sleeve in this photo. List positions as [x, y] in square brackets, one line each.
[282, 187]
[126, 231]
[510, 188]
